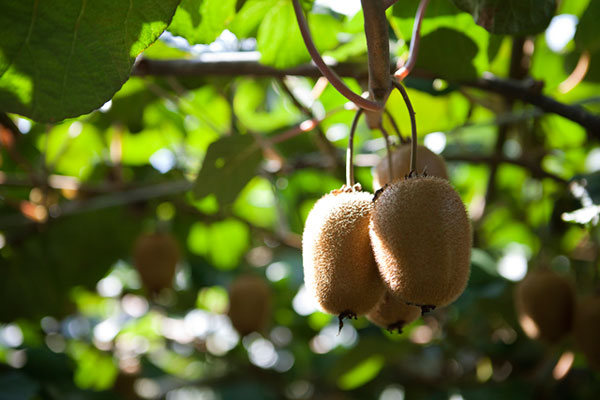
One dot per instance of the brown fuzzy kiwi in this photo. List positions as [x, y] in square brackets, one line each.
[392, 313]
[339, 268]
[545, 303]
[427, 161]
[421, 237]
[249, 304]
[155, 257]
[586, 329]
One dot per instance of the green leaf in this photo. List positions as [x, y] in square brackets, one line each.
[259, 109]
[448, 44]
[248, 19]
[586, 36]
[222, 243]
[202, 21]
[465, 34]
[512, 17]
[362, 373]
[65, 58]
[279, 40]
[229, 165]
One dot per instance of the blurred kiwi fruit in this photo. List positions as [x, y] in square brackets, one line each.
[249, 304]
[427, 160]
[545, 303]
[392, 313]
[155, 257]
[421, 238]
[339, 268]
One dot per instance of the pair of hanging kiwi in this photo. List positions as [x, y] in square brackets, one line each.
[394, 255]
[548, 310]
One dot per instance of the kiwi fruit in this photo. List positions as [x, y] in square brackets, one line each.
[249, 304]
[392, 313]
[586, 329]
[544, 302]
[421, 238]
[427, 161]
[155, 257]
[339, 268]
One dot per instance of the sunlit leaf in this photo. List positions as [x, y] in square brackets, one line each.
[222, 243]
[66, 58]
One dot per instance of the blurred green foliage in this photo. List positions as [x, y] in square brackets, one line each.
[220, 163]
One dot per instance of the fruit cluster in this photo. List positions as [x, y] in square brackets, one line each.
[394, 255]
[548, 310]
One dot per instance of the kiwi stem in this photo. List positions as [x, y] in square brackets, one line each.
[350, 150]
[414, 43]
[345, 314]
[331, 76]
[395, 126]
[386, 137]
[413, 126]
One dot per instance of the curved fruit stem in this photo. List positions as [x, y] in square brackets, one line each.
[324, 68]
[350, 150]
[413, 127]
[345, 314]
[395, 126]
[386, 137]
[414, 43]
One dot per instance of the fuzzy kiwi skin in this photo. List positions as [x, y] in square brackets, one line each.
[427, 160]
[392, 313]
[155, 257]
[249, 304]
[339, 268]
[421, 238]
[545, 302]
[586, 329]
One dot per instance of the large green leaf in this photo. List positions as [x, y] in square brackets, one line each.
[448, 44]
[467, 49]
[587, 36]
[279, 40]
[202, 21]
[513, 17]
[229, 164]
[64, 58]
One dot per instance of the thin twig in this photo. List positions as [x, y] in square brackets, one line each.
[395, 126]
[535, 169]
[386, 137]
[350, 150]
[322, 141]
[324, 68]
[414, 43]
[413, 126]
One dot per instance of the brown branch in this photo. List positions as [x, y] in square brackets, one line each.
[232, 67]
[534, 168]
[378, 49]
[519, 91]
[324, 68]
